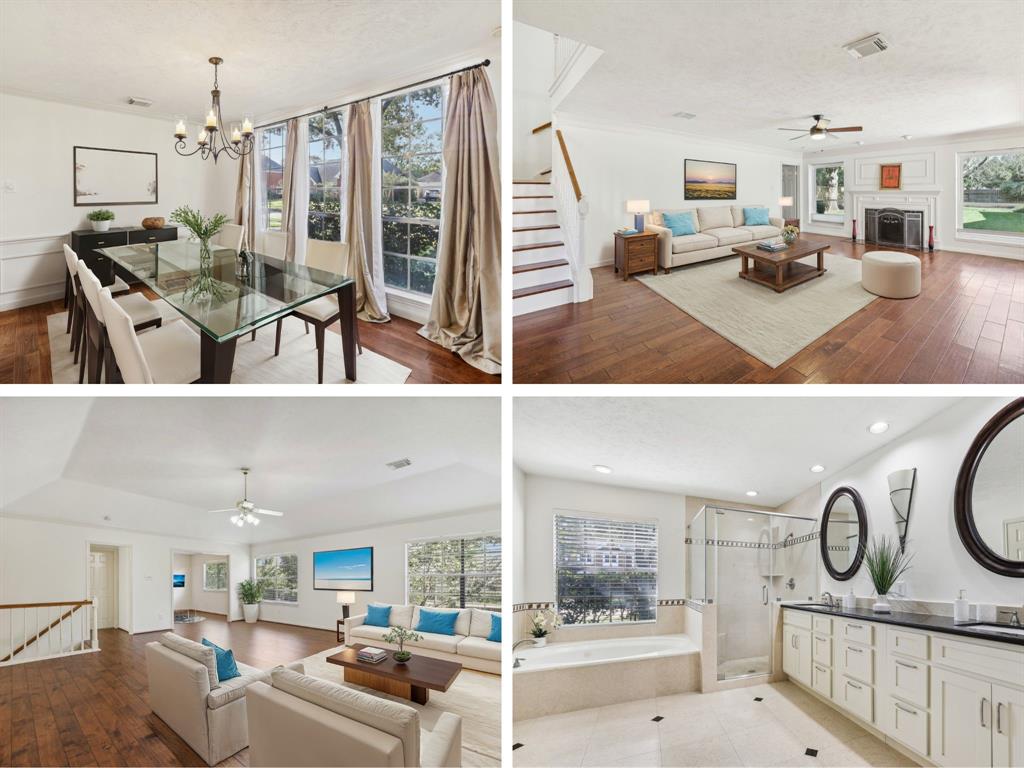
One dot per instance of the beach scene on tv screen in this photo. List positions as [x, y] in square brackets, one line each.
[343, 569]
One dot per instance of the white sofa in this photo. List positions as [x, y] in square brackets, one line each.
[718, 229]
[185, 692]
[297, 720]
[469, 645]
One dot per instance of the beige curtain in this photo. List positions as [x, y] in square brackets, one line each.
[245, 199]
[368, 270]
[295, 203]
[465, 313]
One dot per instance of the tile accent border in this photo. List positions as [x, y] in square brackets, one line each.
[519, 607]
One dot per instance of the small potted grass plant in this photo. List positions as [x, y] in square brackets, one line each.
[400, 636]
[100, 219]
[886, 563]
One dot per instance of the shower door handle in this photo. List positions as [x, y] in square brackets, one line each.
[764, 594]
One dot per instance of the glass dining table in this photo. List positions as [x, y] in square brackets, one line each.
[269, 288]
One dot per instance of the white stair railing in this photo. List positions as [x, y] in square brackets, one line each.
[572, 207]
[567, 51]
[36, 631]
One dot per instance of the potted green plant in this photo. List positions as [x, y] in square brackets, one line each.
[542, 625]
[100, 219]
[250, 592]
[886, 563]
[203, 229]
[400, 636]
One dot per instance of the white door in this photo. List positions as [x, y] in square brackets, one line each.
[962, 708]
[103, 586]
[1008, 727]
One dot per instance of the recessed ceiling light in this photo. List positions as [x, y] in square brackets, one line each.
[860, 142]
[878, 427]
[602, 469]
[907, 137]
[817, 468]
[751, 493]
[399, 463]
[750, 519]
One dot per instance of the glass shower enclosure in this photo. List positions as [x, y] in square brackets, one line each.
[742, 561]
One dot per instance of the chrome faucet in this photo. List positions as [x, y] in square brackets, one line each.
[830, 601]
[517, 659]
[1014, 619]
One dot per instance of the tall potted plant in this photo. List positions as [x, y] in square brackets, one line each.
[886, 563]
[250, 592]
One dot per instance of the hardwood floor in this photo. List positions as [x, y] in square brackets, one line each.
[25, 348]
[93, 709]
[967, 325]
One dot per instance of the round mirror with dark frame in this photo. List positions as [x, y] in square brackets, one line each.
[844, 533]
[989, 499]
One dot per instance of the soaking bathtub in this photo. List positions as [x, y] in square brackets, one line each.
[562, 677]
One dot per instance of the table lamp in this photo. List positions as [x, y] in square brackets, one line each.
[345, 599]
[638, 208]
[785, 202]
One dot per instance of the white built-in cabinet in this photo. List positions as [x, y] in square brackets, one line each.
[952, 700]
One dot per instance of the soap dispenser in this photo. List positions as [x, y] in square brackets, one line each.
[849, 601]
[961, 609]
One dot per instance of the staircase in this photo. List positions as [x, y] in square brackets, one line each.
[541, 276]
[64, 628]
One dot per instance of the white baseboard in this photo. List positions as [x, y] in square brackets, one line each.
[26, 297]
[407, 307]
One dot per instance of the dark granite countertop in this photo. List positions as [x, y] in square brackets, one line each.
[925, 621]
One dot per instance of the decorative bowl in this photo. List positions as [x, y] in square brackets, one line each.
[402, 656]
[153, 222]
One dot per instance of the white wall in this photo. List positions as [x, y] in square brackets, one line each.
[534, 73]
[203, 600]
[929, 178]
[941, 565]
[619, 163]
[182, 598]
[518, 534]
[36, 156]
[319, 608]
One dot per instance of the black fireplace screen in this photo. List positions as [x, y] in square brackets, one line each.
[894, 227]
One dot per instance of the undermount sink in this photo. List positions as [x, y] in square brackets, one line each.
[997, 629]
[816, 606]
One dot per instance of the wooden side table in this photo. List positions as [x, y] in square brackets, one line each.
[339, 630]
[793, 222]
[636, 253]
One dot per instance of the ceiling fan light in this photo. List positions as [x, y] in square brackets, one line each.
[240, 523]
[255, 521]
[234, 519]
[818, 136]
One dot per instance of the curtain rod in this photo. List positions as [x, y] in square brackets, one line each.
[484, 63]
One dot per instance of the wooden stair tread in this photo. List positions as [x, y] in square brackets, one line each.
[536, 246]
[531, 182]
[545, 172]
[535, 227]
[533, 267]
[518, 293]
[546, 210]
[532, 197]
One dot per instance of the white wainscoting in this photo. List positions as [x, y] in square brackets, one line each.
[32, 270]
[918, 172]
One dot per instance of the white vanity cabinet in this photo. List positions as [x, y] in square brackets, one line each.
[797, 652]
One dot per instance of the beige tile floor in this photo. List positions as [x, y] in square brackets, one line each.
[726, 728]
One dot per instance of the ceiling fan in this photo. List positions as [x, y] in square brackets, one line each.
[820, 129]
[245, 510]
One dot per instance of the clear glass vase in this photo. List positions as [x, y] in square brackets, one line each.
[204, 287]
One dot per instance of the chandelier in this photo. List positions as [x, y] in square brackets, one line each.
[213, 139]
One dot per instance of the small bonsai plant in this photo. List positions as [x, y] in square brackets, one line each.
[544, 623]
[886, 563]
[100, 219]
[400, 636]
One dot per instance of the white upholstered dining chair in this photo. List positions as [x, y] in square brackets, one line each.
[230, 236]
[76, 310]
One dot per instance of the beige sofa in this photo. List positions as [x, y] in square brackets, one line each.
[297, 720]
[718, 229]
[185, 692]
[469, 645]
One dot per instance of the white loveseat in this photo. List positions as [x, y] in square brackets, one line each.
[719, 228]
[469, 645]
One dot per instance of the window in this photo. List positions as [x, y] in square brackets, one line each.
[271, 169]
[605, 570]
[455, 573]
[992, 192]
[829, 193]
[215, 577]
[411, 127]
[281, 573]
[325, 182]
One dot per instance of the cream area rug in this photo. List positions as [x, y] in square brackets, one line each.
[768, 325]
[254, 360]
[474, 696]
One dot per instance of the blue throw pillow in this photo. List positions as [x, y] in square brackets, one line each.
[226, 667]
[495, 636]
[377, 615]
[438, 622]
[752, 217]
[680, 223]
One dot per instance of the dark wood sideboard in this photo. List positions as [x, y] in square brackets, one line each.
[84, 242]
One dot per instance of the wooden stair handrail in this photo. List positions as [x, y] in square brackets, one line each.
[542, 127]
[54, 623]
[45, 605]
[568, 165]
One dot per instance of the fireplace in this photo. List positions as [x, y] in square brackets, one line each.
[894, 227]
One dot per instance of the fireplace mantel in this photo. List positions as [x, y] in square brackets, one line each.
[927, 202]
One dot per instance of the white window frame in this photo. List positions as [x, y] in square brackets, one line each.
[476, 535]
[979, 235]
[227, 575]
[812, 197]
[269, 556]
[260, 185]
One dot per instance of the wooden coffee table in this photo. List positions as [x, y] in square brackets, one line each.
[781, 271]
[413, 680]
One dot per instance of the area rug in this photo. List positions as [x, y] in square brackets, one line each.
[254, 360]
[474, 696]
[768, 325]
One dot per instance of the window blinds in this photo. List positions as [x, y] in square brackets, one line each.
[455, 573]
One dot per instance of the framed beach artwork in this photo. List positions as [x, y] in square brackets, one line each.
[344, 569]
[707, 180]
[890, 176]
[115, 177]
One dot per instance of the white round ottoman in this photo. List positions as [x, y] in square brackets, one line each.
[891, 274]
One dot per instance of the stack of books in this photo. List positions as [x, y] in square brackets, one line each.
[371, 655]
[773, 245]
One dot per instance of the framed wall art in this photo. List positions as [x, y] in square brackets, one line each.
[114, 177]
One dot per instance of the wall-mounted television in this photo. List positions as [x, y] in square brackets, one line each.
[349, 569]
[178, 581]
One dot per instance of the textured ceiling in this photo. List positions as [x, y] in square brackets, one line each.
[159, 464]
[278, 54]
[748, 67]
[716, 448]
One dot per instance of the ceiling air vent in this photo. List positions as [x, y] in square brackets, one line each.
[138, 101]
[399, 464]
[867, 46]
[684, 115]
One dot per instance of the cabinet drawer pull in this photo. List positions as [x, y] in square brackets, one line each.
[855, 650]
[823, 670]
[904, 664]
[853, 685]
[101, 242]
[983, 700]
[855, 626]
[999, 717]
[904, 709]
